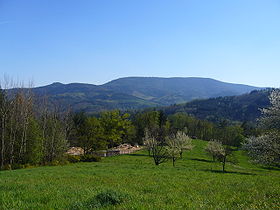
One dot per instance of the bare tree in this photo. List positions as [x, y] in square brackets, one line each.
[4, 114]
[4, 111]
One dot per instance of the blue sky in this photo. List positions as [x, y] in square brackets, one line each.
[95, 41]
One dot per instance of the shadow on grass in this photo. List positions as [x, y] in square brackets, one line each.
[271, 168]
[137, 155]
[202, 160]
[228, 172]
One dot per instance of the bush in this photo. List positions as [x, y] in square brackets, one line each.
[110, 197]
[103, 199]
[74, 158]
[54, 163]
[17, 166]
[90, 158]
[7, 167]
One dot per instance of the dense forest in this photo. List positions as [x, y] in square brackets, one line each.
[241, 108]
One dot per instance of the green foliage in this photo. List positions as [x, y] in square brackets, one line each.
[55, 143]
[91, 135]
[17, 166]
[29, 135]
[229, 134]
[109, 130]
[153, 121]
[107, 198]
[145, 120]
[34, 153]
[117, 127]
[73, 158]
[7, 167]
[233, 108]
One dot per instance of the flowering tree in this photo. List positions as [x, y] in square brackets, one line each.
[176, 144]
[219, 152]
[155, 144]
[173, 149]
[265, 149]
[271, 116]
[184, 143]
[214, 148]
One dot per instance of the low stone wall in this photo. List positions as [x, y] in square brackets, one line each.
[121, 150]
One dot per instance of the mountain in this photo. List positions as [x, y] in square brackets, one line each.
[241, 108]
[166, 91]
[137, 92]
[89, 98]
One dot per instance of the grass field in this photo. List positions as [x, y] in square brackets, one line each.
[195, 183]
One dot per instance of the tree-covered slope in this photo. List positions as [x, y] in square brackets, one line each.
[168, 91]
[245, 107]
[136, 93]
[90, 98]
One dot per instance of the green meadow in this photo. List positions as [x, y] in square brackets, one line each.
[135, 182]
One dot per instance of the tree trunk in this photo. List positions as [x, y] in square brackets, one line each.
[224, 163]
[22, 142]
[3, 141]
[52, 141]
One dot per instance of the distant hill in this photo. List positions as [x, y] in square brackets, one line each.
[137, 92]
[241, 108]
[90, 98]
[166, 91]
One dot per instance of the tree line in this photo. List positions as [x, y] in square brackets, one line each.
[36, 131]
[29, 134]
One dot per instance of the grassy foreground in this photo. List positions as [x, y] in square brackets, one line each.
[195, 183]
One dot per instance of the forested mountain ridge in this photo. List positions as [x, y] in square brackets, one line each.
[137, 93]
[241, 108]
[90, 98]
[166, 91]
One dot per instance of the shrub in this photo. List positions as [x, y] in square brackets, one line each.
[103, 199]
[90, 158]
[110, 197]
[74, 158]
[17, 166]
[107, 198]
[7, 167]
[54, 163]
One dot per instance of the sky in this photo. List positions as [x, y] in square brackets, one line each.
[95, 41]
